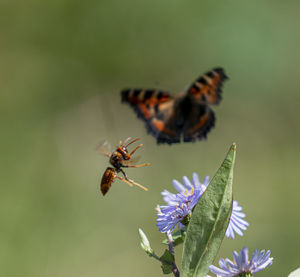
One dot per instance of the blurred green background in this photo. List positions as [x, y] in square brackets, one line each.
[62, 66]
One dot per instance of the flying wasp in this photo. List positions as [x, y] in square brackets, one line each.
[120, 158]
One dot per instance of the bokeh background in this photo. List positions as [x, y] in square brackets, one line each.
[63, 63]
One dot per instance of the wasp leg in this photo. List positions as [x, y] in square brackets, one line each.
[123, 172]
[138, 185]
[125, 180]
[129, 181]
[140, 165]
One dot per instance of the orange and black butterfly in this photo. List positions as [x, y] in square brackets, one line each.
[120, 158]
[186, 116]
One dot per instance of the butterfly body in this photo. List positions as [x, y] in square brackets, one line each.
[186, 116]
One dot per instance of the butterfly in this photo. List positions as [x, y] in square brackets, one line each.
[186, 116]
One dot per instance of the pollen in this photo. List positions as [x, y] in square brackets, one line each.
[192, 191]
[188, 193]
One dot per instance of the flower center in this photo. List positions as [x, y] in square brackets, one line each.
[189, 193]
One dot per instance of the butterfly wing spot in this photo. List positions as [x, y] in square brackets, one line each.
[160, 127]
[158, 124]
[145, 111]
[208, 88]
[144, 102]
[140, 95]
[209, 79]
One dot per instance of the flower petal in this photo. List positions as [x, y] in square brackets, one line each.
[241, 265]
[178, 186]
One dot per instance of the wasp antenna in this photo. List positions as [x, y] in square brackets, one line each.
[126, 140]
[133, 141]
[140, 145]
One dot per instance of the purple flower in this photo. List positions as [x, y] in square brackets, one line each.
[236, 223]
[241, 266]
[180, 205]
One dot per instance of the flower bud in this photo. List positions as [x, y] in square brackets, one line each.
[145, 244]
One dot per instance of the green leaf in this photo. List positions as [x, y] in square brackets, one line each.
[178, 237]
[166, 262]
[167, 257]
[166, 268]
[209, 221]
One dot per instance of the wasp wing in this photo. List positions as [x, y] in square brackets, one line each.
[132, 161]
[104, 148]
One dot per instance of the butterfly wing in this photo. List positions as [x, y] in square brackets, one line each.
[208, 88]
[145, 102]
[204, 91]
[199, 122]
[156, 108]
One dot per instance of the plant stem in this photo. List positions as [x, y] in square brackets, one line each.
[156, 257]
[171, 249]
